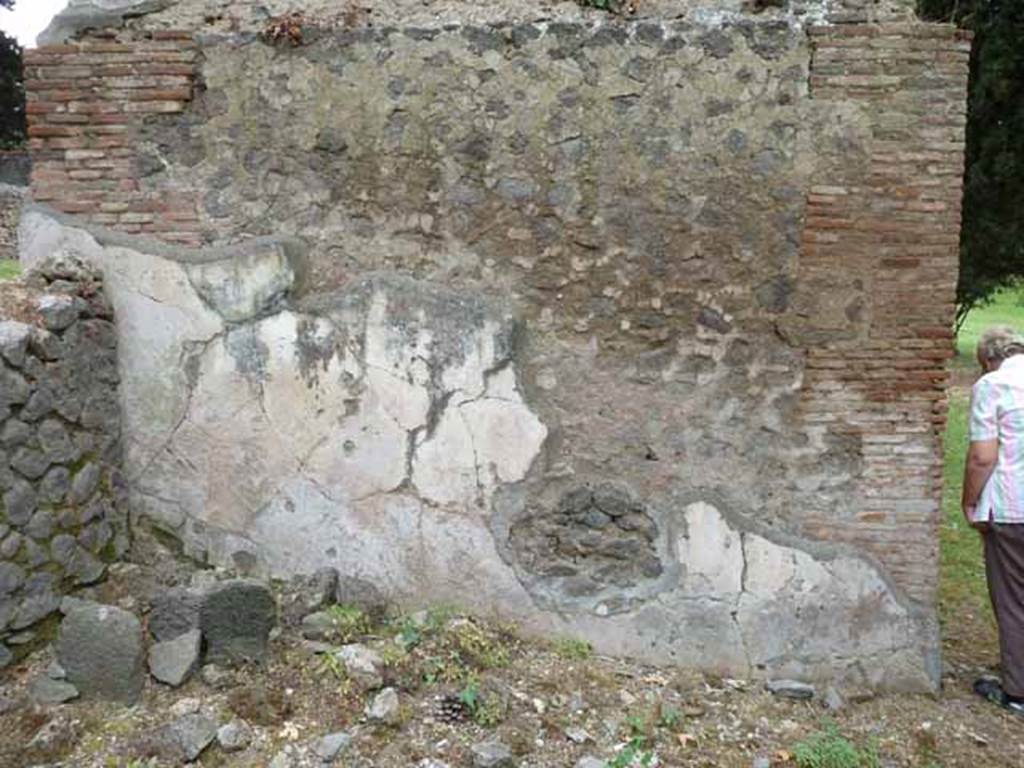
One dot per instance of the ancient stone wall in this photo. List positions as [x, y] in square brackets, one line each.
[11, 200]
[15, 170]
[634, 330]
[63, 504]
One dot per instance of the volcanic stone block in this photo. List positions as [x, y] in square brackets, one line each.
[236, 618]
[174, 613]
[100, 647]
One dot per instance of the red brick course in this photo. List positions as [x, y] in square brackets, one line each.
[86, 103]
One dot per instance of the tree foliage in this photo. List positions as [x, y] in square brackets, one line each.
[992, 236]
[12, 90]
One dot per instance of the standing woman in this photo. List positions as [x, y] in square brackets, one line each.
[993, 500]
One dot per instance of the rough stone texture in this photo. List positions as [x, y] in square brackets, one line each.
[183, 740]
[384, 707]
[233, 617]
[63, 511]
[704, 266]
[47, 691]
[790, 689]
[234, 736]
[174, 660]
[362, 664]
[95, 14]
[195, 14]
[492, 754]
[11, 200]
[15, 167]
[173, 613]
[236, 618]
[329, 747]
[101, 650]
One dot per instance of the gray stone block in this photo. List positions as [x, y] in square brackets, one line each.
[85, 483]
[41, 526]
[59, 311]
[101, 648]
[184, 739]
[234, 736]
[30, 462]
[172, 661]
[35, 608]
[236, 618]
[10, 545]
[54, 485]
[14, 390]
[46, 691]
[14, 433]
[19, 503]
[492, 754]
[55, 442]
[40, 404]
[790, 689]
[173, 613]
[12, 576]
[14, 338]
[333, 744]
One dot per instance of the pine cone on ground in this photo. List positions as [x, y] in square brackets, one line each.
[450, 709]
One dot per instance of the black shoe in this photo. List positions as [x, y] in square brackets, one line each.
[991, 689]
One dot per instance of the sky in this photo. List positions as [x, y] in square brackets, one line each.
[29, 18]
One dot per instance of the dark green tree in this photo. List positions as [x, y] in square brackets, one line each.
[12, 90]
[992, 234]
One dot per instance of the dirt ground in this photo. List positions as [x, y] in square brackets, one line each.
[461, 682]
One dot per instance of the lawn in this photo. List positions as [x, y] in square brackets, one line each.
[963, 596]
[1007, 308]
[9, 269]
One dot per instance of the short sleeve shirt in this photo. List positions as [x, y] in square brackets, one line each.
[997, 413]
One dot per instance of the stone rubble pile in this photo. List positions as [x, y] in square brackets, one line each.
[101, 649]
[209, 627]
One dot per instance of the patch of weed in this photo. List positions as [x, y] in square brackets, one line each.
[572, 649]
[349, 622]
[9, 270]
[486, 711]
[477, 645]
[635, 753]
[826, 748]
[409, 634]
[669, 716]
[393, 654]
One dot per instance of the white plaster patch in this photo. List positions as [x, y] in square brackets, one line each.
[445, 464]
[711, 554]
[506, 438]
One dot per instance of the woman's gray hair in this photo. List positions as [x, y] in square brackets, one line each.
[1000, 342]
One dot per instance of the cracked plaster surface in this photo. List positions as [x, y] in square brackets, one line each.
[244, 413]
[376, 428]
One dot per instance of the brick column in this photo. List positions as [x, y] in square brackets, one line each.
[880, 245]
[86, 102]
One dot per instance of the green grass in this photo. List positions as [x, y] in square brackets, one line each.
[9, 269]
[962, 588]
[1006, 308]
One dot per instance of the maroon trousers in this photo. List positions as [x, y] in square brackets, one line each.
[1004, 568]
